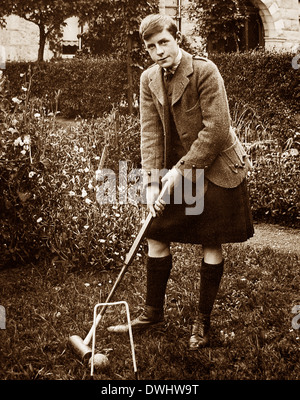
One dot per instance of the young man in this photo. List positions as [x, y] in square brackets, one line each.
[185, 128]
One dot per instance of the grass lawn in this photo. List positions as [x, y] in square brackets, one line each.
[253, 336]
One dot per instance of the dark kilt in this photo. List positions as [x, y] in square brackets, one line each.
[226, 218]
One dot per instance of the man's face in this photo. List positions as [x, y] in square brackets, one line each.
[163, 48]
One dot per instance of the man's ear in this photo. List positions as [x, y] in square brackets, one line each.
[178, 37]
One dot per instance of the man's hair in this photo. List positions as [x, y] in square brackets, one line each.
[156, 23]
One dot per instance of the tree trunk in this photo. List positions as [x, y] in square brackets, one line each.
[236, 42]
[129, 75]
[42, 43]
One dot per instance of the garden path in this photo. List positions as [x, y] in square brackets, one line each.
[276, 237]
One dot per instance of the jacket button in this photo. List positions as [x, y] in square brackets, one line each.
[181, 162]
[149, 173]
[194, 166]
[236, 165]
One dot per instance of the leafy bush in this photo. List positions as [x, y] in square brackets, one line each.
[49, 186]
[267, 83]
[274, 187]
[86, 87]
[273, 181]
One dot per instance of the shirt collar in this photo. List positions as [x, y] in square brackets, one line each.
[176, 63]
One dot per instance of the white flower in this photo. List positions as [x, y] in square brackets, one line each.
[18, 141]
[86, 226]
[24, 89]
[83, 193]
[23, 152]
[31, 174]
[71, 193]
[12, 130]
[88, 201]
[86, 169]
[21, 75]
[294, 152]
[39, 220]
[102, 240]
[87, 284]
[37, 115]
[81, 150]
[16, 100]
[26, 139]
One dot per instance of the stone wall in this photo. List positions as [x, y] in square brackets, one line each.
[281, 23]
[280, 20]
[20, 39]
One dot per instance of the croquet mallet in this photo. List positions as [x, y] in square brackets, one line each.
[81, 346]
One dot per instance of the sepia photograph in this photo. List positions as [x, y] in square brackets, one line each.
[149, 205]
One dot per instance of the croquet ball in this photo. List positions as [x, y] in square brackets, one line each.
[100, 361]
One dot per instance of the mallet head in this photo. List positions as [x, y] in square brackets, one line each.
[78, 345]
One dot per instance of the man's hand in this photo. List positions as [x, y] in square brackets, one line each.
[156, 206]
[173, 177]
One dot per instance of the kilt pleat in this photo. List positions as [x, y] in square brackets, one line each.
[226, 218]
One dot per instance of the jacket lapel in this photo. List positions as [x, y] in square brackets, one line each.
[181, 80]
[156, 84]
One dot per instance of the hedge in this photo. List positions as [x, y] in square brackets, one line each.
[84, 87]
[264, 81]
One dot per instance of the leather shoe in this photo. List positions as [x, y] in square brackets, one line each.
[200, 333]
[150, 317]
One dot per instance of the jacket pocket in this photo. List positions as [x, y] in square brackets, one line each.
[235, 157]
[194, 108]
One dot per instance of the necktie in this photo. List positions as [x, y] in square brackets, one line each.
[168, 74]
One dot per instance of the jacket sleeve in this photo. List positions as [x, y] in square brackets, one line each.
[152, 138]
[212, 108]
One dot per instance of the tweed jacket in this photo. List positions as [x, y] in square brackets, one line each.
[200, 111]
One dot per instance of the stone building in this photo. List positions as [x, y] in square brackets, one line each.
[272, 24]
